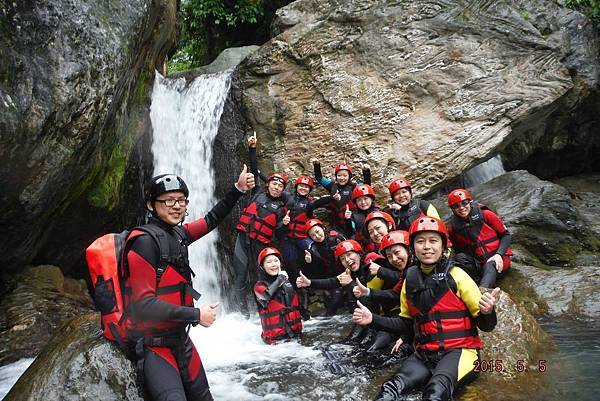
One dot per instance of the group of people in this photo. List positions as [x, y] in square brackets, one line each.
[412, 283]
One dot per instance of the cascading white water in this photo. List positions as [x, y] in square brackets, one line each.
[483, 172]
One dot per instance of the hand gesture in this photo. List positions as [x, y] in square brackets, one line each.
[360, 290]
[344, 279]
[488, 301]
[348, 212]
[393, 206]
[314, 160]
[337, 196]
[374, 268]
[284, 274]
[245, 181]
[362, 316]
[307, 256]
[252, 140]
[208, 314]
[302, 281]
[365, 166]
[286, 218]
[499, 262]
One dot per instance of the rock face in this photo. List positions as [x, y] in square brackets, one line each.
[74, 80]
[78, 365]
[420, 89]
[30, 314]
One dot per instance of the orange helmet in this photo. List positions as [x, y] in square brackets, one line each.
[311, 223]
[278, 177]
[266, 252]
[347, 246]
[306, 180]
[399, 237]
[343, 166]
[380, 215]
[363, 190]
[397, 184]
[427, 223]
[458, 195]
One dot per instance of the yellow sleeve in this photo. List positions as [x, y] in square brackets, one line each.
[467, 289]
[432, 212]
[404, 303]
[375, 283]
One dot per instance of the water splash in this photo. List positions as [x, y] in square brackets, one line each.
[483, 172]
[185, 119]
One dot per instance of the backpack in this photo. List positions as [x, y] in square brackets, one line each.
[108, 272]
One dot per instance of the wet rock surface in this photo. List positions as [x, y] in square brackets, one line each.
[79, 365]
[31, 313]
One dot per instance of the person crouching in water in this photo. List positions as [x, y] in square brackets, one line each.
[447, 341]
[276, 299]
[404, 208]
[320, 261]
[479, 238]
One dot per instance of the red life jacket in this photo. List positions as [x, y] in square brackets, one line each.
[338, 208]
[441, 318]
[475, 236]
[259, 218]
[299, 217]
[281, 318]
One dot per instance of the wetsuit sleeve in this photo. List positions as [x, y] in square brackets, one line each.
[429, 209]
[281, 229]
[388, 275]
[497, 225]
[349, 227]
[325, 182]
[317, 203]
[217, 214]
[254, 168]
[468, 291]
[263, 177]
[325, 283]
[367, 176]
[141, 259]
[264, 293]
[396, 325]
[385, 295]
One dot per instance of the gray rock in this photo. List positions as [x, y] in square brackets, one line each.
[78, 365]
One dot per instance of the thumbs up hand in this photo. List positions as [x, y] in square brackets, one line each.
[302, 281]
[245, 181]
[344, 278]
[252, 140]
[286, 218]
[488, 301]
[362, 316]
[360, 290]
[348, 212]
[307, 256]
[337, 196]
[374, 268]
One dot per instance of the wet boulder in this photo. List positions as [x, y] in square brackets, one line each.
[30, 314]
[79, 364]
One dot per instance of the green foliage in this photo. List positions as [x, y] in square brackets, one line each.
[591, 8]
[209, 26]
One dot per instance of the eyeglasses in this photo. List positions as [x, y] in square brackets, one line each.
[463, 203]
[171, 202]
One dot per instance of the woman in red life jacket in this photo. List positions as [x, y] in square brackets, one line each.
[404, 208]
[262, 221]
[320, 261]
[160, 304]
[363, 197]
[343, 185]
[479, 238]
[276, 299]
[442, 307]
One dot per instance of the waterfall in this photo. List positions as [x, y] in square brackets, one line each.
[185, 120]
[483, 172]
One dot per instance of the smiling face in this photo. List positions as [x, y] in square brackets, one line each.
[462, 209]
[350, 260]
[302, 189]
[377, 228]
[397, 255]
[342, 177]
[171, 215]
[272, 265]
[275, 188]
[364, 202]
[402, 196]
[428, 247]
[316, 233]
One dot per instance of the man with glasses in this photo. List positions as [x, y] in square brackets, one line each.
[158, 279]
[479, 238]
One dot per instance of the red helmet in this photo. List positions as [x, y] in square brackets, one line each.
[362, 190]
[306, 180]
[278, 177]
[266, 252]
[397, 184]
[311, 223]
[458, 195]
[380, 215]
[427, 223]
[343, 166]
[347, 246]
[399, 237]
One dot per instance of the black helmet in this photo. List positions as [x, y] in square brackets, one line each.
[165, 183]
